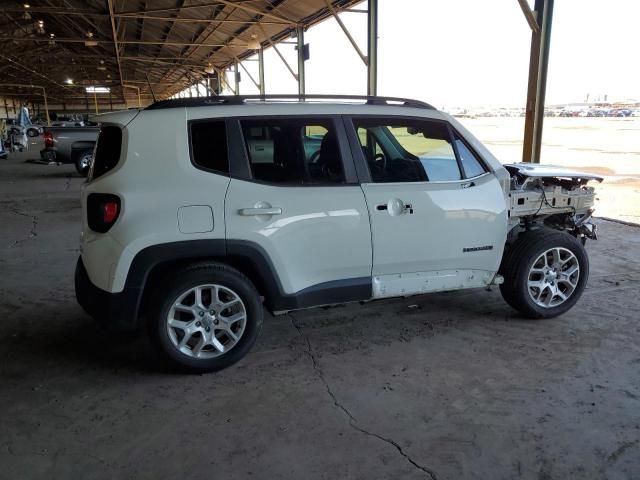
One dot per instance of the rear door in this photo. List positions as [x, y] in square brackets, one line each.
[438, 216]
[301, 208]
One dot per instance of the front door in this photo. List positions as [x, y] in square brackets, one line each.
[438, 217]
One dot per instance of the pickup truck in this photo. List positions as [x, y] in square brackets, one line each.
[70, 145]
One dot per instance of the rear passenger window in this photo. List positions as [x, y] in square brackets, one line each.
[209, 145]
[470, 163]
[293, 151]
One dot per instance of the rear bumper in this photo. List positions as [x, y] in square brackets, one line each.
[116, 310]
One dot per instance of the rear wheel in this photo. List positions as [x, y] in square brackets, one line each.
[207, 319]
[545, 273]
[83, 161]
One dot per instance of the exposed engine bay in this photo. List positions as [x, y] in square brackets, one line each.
[554, 197]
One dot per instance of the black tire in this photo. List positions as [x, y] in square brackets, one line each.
[82, 160]
[520, 259]
[33, 132]
[182, 281]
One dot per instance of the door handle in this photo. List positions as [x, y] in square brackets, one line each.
[395, 207]
[248, 212]
[468, 185]
[259, 149]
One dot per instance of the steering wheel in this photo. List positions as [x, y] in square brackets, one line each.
[379, 164]
[380, 158]
[314, 156]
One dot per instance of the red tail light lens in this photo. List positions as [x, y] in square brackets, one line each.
[103, 209]
[48, 139]
[109, 212]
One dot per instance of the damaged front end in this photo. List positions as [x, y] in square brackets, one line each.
[554, 197]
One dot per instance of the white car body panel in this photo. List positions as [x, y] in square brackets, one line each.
[160, 156]
[447, 218]
[322, 234]
[406, 284]
[542, 171]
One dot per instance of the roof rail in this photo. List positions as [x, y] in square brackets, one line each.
[244, 99]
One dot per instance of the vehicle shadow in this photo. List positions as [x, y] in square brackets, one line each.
[54, 170]
[68, 338]
[72, 339]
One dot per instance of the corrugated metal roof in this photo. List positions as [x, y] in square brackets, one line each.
[170, 40]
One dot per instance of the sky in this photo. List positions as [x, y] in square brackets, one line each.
[469, 53]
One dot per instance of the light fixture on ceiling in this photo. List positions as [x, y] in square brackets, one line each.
[97, 89]
[52, 37]
[253, 44]
[90, 42]
[40, 27]
[209, 69]
[101, 66]
[68, 81]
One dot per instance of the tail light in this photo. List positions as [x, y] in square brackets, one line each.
[103, 209]
[48, 139]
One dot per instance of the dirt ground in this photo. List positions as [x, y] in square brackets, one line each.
[604, 146]
[447, 386]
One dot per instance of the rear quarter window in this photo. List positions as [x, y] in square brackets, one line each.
[208, 142]
[107, 153]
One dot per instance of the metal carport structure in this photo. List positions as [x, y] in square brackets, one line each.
[142, 47]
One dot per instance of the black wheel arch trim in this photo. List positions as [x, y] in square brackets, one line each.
[327, 293]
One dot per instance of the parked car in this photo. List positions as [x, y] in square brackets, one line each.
[70, 145]
[620, 112]
[192, 224]
[67, 123]
[31, 130]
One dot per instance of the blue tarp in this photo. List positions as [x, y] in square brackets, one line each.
[23, 117]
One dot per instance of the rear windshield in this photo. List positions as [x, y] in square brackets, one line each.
[107, 152]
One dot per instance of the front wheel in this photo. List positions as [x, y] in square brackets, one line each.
[207, 319]
[545, 273]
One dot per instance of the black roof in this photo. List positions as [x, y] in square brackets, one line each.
[244, 99]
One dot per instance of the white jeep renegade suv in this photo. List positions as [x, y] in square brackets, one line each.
[199, 211]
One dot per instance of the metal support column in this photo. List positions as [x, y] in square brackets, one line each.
[236, 79]
[261, 70]
[301, 59]
[372, 48]
[46, 107]
[538, 67]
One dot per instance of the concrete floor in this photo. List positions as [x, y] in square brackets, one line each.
[445, 386]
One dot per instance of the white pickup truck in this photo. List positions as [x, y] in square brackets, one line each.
[193, 224]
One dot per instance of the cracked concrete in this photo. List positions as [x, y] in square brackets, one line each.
[353, 423]
[32, 231]
[454, 382]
